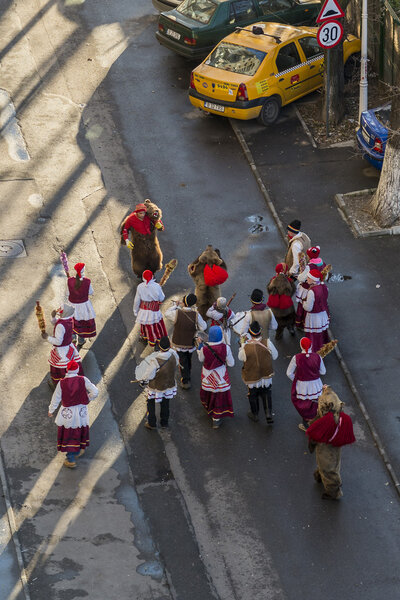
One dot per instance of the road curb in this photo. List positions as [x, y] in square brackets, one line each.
[13, 527]
[340, 200]
[342, 363]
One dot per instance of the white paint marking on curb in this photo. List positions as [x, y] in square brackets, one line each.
[10, 129]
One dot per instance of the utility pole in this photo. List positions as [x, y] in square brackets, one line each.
[364, 59]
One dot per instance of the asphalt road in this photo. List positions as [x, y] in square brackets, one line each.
[233, 513]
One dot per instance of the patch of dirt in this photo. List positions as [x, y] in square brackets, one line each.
[378, 94]
[357, 207]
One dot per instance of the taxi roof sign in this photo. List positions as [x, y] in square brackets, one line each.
[331, 9]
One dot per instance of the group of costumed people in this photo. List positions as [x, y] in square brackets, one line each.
[302, 275]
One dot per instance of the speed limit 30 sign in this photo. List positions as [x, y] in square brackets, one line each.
[329, 34]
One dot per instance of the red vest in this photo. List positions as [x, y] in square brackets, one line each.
[211, 361]
[67, 339]
[320, 298]
[82, 294]
[73, 391]
[307, 367]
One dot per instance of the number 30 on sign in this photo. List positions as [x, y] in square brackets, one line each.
[330, 34]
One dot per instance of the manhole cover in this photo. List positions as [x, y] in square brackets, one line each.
[12, 249]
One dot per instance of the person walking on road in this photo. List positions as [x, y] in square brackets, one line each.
[314, 262]
[257, 355]
[79, 290]
[259, 312]
[63, 349]
[221, 315]
[146, 308]
[298, 242]
[158, 369]
[315, 305]
[74, 392]
[331, 430]
[187, 321]
[304, 371]
[215, 393]
[281, 289]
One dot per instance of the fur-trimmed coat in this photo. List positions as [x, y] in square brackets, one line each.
[146, 252]
[206, 295]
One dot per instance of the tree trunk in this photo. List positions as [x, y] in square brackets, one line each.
[336, 106]
[385, 203]
[336, 85]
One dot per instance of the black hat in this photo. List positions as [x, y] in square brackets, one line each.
[257, 296]
[294, 226]
[255, 329]
[164, 343]
[189, 299]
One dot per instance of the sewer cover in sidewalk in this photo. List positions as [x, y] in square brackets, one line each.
[12, 249]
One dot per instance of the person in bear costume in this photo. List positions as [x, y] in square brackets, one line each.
[141, 227]
[330, 430]
[208, 272]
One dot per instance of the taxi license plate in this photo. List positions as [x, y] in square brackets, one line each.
[174, 34]
[365, 135]
[213, 106]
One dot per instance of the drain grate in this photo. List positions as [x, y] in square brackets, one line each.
[12, 249]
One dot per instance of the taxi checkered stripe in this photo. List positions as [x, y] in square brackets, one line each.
[307, 62]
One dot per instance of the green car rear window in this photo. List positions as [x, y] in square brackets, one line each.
[198, 10]
[238, 59]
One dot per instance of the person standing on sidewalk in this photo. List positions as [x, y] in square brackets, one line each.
[281, 289]
[215, 392]
[79, 290]
[74, 392]
[331, 430]
[146, 308]
[304, 371]
[259, 312]
[298, 242]
[159, 370]
[221, 315]
[257, 355]
[63, 349]
[187, 321]
[315, 305]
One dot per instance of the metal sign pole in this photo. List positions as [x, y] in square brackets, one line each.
[328, 56]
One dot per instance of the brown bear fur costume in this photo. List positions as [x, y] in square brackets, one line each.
[206, 295]
[146, 253]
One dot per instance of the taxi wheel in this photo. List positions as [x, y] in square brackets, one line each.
[269, 111]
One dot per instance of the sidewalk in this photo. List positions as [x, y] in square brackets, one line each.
[301, 182]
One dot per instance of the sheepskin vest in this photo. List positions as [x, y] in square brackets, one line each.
[165, 376]
[258, 363]
[305, 242]
[264, 319]
[184, 329]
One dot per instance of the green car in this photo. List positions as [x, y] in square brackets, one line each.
[193, 28]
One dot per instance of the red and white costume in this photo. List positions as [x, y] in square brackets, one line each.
[215, 392]
[304, 371]
[146, 308]
[217, 318]
[84, 316]
[63, 349]
[315, 305]
[74, 393]
[315, 262]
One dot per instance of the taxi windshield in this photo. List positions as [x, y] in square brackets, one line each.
[198, 10]
[238, 59]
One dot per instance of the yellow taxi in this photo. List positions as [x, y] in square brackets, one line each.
[254, 71]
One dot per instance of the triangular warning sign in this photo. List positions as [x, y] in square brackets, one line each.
[331, 10]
